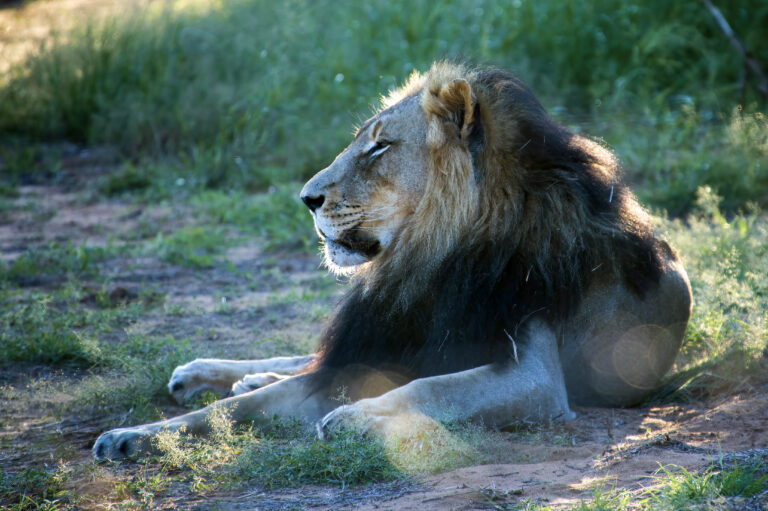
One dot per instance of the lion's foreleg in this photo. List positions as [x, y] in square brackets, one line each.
[528, 390]
[302, 397]
[219, 376]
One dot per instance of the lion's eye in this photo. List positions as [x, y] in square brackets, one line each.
[378, 148]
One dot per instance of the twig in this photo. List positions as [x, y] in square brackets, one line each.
[762, 86]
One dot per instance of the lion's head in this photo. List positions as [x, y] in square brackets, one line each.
[361, 201]
[409, 165]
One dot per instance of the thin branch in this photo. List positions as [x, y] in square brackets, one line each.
[762, 86]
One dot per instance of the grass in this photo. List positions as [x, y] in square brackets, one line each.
[194, 246]
[40, 490]
[719, 486]
[245, 95]
[726, 261]
[277, 216]
[287, 455]
[62, 330]
[712, 488]
[673, 153]
[36, 333]
[134, 385]
[55, 260]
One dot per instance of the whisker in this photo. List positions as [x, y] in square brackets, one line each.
[376, 219]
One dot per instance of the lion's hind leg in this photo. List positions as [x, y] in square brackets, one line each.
[220, 376]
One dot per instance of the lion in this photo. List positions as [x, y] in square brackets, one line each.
[500, 272]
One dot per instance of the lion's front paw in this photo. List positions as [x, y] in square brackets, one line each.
[195, 378]
[123, 443]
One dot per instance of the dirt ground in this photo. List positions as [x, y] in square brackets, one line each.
[611, 447]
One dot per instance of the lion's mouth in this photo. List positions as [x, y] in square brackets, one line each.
[355, 241]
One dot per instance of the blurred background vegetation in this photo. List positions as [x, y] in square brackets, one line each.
[241, 95]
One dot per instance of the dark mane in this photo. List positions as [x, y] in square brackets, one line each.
[560, 214]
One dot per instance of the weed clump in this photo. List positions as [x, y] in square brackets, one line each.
[36, 332]
[285, 455]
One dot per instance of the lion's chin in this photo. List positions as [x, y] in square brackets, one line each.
[343, 259]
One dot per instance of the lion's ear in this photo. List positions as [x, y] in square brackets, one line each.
[453, 102]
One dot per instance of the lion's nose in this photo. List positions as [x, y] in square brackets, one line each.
[313, 203]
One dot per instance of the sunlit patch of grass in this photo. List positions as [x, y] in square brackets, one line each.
[673, 489]
[139, 490]
[285, 455]
[440, 447]
[727, 263]
[605, 499]
[717, 487]
[289, 454]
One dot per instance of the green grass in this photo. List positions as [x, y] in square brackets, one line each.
[35, 489]
[55, 260]
[286, 455]
[719, 486]
[726, 261]
[129, 178]
[35, 332]
[134, 384]
[712, 488]
[277, 216]
[349, 459]
[671, 154]
[127, 372]
[194, 246]
[243, 95]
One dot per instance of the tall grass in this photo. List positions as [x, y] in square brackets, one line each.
[245, 94]
[725, 346]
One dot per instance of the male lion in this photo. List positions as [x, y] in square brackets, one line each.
[501, 270]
